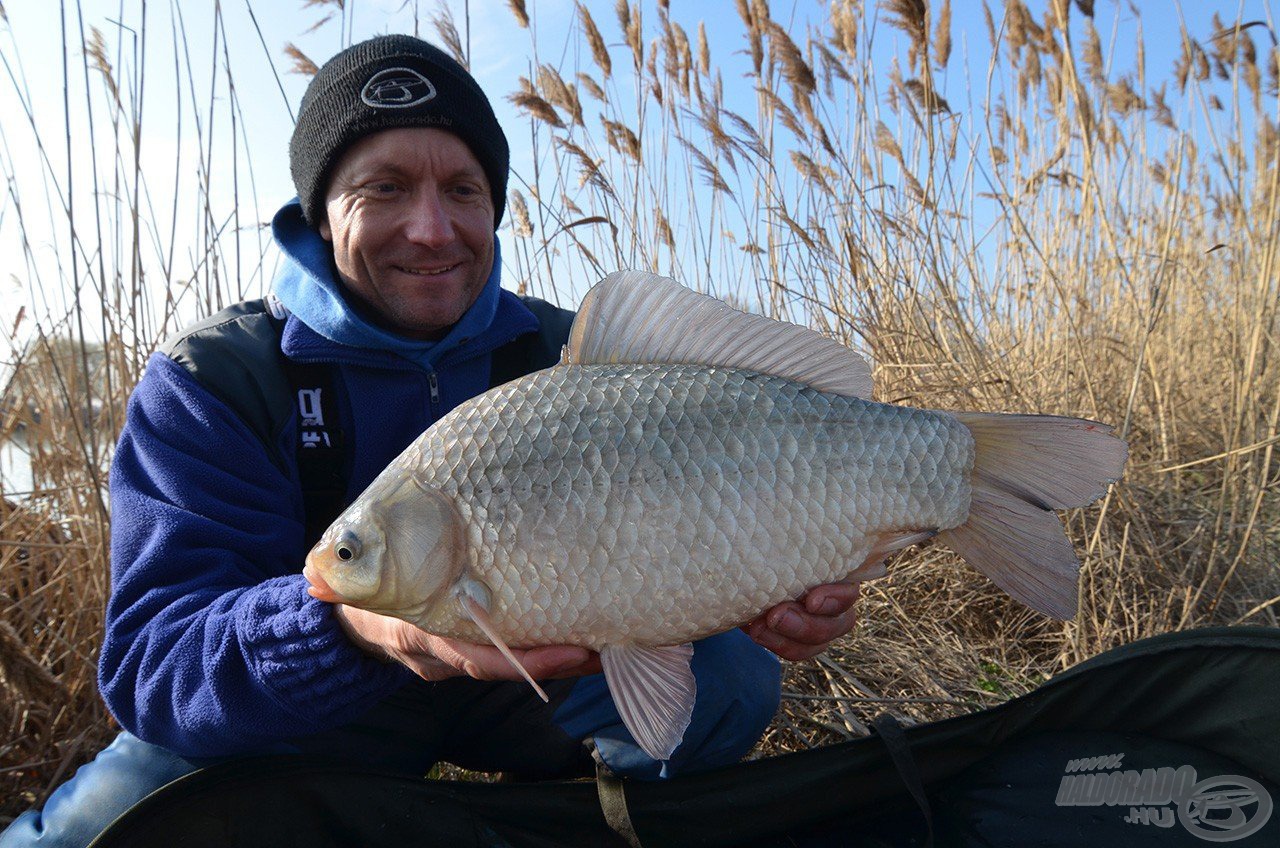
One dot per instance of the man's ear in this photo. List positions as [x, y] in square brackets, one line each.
[325, 232]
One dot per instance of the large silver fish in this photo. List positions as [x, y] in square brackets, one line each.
[685, 467]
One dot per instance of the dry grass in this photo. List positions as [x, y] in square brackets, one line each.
[1073, 239]
[1055, 236]
[53, 579]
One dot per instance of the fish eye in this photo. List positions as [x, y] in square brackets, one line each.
[347, 547]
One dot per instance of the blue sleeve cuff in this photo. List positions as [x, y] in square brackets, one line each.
[297, 648]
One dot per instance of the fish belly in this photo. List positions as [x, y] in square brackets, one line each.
[658, 504]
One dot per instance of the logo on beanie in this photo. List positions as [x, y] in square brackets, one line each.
[397, 88]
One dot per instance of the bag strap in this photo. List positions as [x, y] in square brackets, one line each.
[323, 449]
[895, 741]
[613, 803]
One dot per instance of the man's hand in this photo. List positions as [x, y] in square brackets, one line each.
[436, 658]
[800, 629]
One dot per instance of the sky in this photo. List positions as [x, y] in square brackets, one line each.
[180, 57]
[178, 127]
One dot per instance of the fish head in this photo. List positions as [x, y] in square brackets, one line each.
[393, 551]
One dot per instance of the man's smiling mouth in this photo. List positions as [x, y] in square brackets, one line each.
[428, 272]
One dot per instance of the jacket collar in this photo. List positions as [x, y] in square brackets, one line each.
[511, 319]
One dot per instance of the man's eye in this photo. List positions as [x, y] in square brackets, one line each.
[381, 189]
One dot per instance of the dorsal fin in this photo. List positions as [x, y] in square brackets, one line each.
[638, 317]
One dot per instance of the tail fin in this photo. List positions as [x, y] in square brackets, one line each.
[1023, 467]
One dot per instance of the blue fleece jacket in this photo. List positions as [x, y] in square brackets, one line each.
[212, 644]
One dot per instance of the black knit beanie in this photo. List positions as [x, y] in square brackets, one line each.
[384, 83]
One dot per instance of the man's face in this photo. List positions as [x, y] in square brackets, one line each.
[410, 218]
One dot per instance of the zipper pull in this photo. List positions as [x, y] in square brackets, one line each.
[434, 385]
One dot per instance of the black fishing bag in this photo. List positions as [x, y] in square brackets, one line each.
[1170, 741]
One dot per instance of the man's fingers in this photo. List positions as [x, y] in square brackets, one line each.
[558, 661]
[795, 630]
[760, 633]
[436, 658]
[485, 662]
[831, 598]
[787, 649]
[429, 668]
[792, 621]
[798, 630]
[444, 651]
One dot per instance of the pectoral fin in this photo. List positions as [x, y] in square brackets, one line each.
[480, 616]
[654, 690]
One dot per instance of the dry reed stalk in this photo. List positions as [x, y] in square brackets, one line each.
[623, 139]
[521, 14]
[447, 30]
[65, 392]
[589, 168]
[1071, 340]
[536, 106]
[593, 88]
[912, 17]
[50, 627]
[302, 63]
[560, 93]
[1096, 248]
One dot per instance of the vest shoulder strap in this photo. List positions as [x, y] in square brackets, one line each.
[235, 354]
[532, 351]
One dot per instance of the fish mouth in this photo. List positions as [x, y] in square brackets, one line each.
[319, 588]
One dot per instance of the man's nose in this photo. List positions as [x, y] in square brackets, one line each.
[429, 222]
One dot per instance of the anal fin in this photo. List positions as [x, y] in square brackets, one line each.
[653, 689]
[884, 545]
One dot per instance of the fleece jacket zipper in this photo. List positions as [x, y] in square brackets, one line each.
[434, 384]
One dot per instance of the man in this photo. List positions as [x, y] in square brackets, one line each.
[390, 303]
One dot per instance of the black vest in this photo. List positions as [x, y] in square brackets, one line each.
[236, 356]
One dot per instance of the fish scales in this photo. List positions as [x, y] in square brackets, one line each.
[632, 508]
[658, 504]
